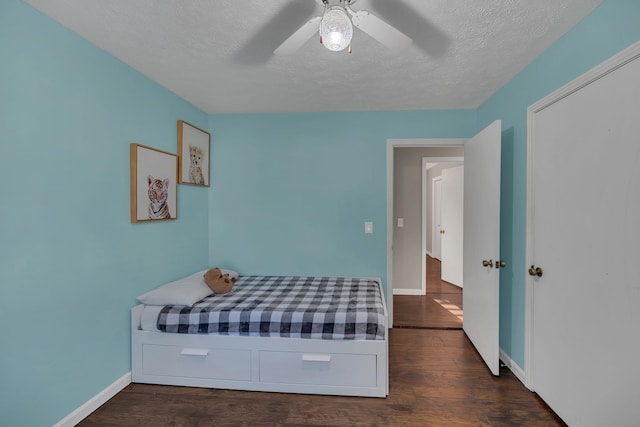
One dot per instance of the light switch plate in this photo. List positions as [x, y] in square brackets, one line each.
[400, 222]
[368, 227]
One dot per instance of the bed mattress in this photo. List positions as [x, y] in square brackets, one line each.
[331, 308]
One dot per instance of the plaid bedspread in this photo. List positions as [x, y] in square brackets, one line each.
[278, 306]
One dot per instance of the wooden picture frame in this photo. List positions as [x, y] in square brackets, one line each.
[154, 189]
[194, 147]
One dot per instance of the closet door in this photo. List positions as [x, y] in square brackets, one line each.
[584, 247]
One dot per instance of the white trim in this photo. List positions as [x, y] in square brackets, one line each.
[619, 60]
[453, 159]
[528, 304]
[428, 253]
[408, 292]
[513, 366]
[599, 71]
[95, 402]
[390, 232]
[423, 229]
[406, 143]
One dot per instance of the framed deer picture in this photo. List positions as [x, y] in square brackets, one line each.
[193, 155]
[154, 190]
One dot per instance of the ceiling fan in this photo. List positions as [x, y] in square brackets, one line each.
[335, 28]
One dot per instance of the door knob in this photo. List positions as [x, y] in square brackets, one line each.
[487, 263]
[441, 231]
[501, 264]
[535, 271]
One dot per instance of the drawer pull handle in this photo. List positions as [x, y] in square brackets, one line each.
[194, 352]
[316, 357]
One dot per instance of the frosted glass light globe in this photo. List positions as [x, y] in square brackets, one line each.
[336, 29]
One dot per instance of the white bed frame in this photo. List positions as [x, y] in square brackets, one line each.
[290, 365]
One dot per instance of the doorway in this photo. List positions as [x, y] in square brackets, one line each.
[481, 235]
[421, 298]
[440, 307]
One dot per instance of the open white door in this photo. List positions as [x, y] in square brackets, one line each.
[436, 236]
[451, 220]
[481, 297]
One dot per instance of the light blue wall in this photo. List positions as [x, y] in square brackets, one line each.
[291, 192]
[71, 263]
[610, 28]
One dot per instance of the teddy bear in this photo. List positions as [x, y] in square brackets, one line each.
[218, 282]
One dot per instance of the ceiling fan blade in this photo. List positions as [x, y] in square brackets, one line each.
[258, 49]
[300, 37]
[424, 32]
[380, 30]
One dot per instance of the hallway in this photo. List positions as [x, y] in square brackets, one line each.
[440, 308]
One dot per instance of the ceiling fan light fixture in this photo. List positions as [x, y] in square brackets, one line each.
[336, 29]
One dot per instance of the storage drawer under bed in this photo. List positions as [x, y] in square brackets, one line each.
[335, 369]
[195, 362]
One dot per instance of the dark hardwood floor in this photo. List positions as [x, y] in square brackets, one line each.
[440, 308]
[436, 379]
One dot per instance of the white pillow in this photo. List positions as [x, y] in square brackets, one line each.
[185, 291]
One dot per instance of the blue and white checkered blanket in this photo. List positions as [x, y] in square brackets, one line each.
[334, 308]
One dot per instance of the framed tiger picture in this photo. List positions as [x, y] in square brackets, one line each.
[154, 189]
[193, 155]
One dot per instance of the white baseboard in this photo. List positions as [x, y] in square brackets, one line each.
[407, 291]
[95, 402]
[513, 366]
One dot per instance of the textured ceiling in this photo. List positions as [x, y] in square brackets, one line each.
[217, 54]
